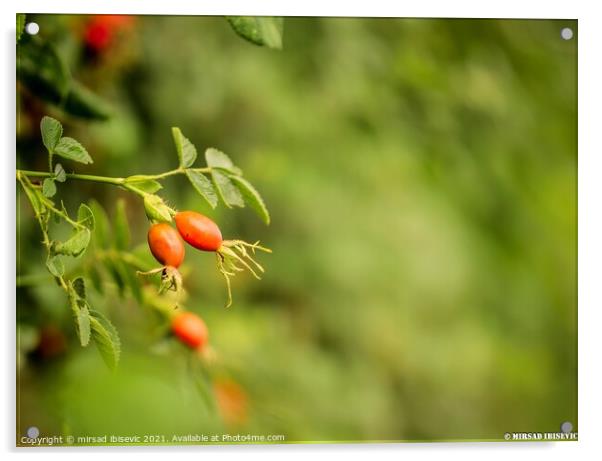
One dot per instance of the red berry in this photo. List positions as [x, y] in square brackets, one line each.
[199, 231]
[190, 329]
[232, 401]
[102, 30]
[166, 245]
[118, 21]
[98, 35]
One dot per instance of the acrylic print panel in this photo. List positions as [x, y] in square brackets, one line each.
[386, 206]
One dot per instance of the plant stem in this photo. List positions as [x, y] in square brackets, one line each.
[112, 180]
[83, 177]
[46, 238]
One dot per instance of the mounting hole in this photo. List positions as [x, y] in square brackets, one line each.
[566, 427]
[32, 28]
[566, 33]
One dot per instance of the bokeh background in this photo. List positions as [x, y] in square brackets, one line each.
[421, 177]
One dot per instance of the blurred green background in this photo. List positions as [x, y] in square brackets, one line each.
[421, 177]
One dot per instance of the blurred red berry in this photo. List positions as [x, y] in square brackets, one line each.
[232, 402]
[52, 342]
[101, 30]
[98, 36]
[118, 21]
[190, 329]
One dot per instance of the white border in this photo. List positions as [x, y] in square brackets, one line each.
[425, 8]
[590, 228]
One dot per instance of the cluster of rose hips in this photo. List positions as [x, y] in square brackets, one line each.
[203, 234]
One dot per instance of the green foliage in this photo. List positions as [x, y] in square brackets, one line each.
[79, 286]
[112, 251]
[20, 25]
[79, 306]
[59, 173]
[113, 242]
[430, 167]
[203, 186]
[44, 72]
[112, 257]
[40, 69]
[101, 224]
[252, 197]
[83, 325]
[80, 313]
[106, 338]
[186, 151]
[85, 216]
[55, 265]
[122, 230]
[83, 103]
[75, 246]
[71, 149]
[127, 274]
[143, 184]
[262, 31]
[226, 190]
[48, 187]
[34, 198]
[52, 131]
[217, 159]
[156, 209]
[223, 184]
[56, 144]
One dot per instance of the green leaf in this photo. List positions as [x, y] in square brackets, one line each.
[122, 229]
[76, 245]
[42, 71]
[229, 194]
[252, 197]
[128, 279]
[57, 217]
[156, 209]
[116, 274]
[77, 299]
[150, 186]
[59, 173]
[73, 150]
[85, 216]
[34, 200]
[55, 266]
[203, 186]
[186, 150]
[101, 224]
[94, 275]
[217, 159]
[83, 325]
[262, 31]
[48, 187]
[79, 285]
[20, 25]
[52, 130]
[83, 103]
[106, 338]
